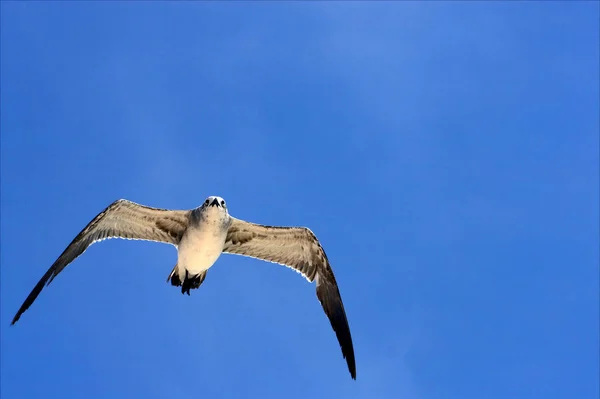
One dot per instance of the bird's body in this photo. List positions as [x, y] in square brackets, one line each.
[203, 241]
[201, 235]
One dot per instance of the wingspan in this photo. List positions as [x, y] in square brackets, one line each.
[299, 249]
[121, 219]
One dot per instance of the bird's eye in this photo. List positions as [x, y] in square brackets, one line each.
[222, 203]
[206, 202]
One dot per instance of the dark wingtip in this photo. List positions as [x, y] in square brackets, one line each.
[35, 292]
[19, 313]
[330, 299]
[17, 317]
[342, 332]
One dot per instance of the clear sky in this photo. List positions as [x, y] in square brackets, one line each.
[445, 154]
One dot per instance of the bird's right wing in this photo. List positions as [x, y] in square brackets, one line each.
[121, 219]
[299, 249]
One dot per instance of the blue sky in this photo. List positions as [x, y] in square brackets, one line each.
[446, 154]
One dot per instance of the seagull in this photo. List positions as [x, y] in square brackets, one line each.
[201, 235]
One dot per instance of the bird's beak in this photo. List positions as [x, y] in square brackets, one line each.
[215, 202]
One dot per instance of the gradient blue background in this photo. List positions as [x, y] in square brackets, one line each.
[446, 155]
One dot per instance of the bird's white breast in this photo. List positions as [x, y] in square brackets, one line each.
[200, 247]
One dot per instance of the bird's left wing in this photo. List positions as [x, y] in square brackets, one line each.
[299, 249]
[122, 219]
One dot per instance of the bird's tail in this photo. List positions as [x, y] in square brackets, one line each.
[174, 277]
[189, 282]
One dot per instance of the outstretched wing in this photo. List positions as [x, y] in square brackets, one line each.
[299, 249]
[121, 219]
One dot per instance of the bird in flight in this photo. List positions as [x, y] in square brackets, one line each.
[201, 235]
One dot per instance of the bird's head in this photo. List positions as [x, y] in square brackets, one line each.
[214, 204]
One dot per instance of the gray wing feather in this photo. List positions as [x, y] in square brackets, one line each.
[121, 219]
[299, 249]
